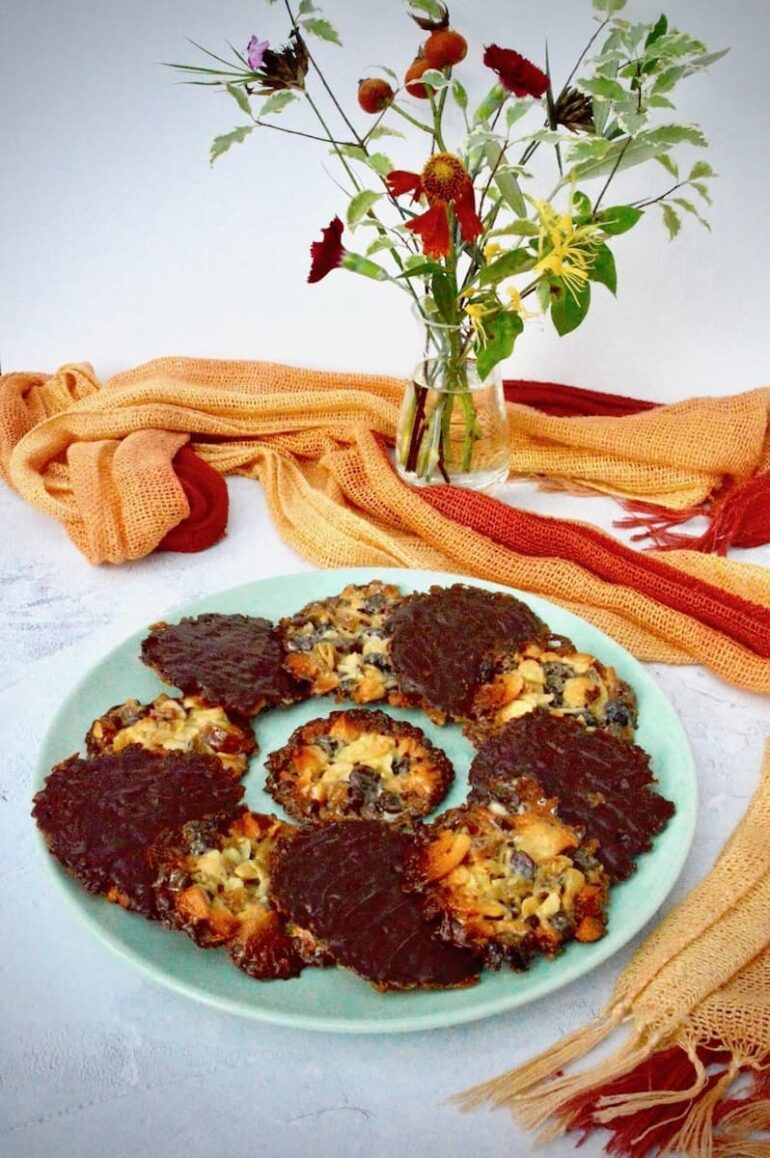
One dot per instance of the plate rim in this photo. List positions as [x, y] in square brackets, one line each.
[414, 1021]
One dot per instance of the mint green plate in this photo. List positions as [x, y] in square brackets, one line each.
[332, 999]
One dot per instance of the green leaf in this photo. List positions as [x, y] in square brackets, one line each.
[322, 29]
[688, 207]
[501, 332]
[568, 310]
[700, 169]
[380, 243]
[701, 190]
[521, 228]
[604, 86]
[443, 295]
[460, 95]
[240, 98]
[382, 131]
[360, 206]
[507, 265]
[490, 104]
[417, 267]
[671, 220]
[221, 144]
[435, 79]
[668, 164]
[603, 269]
[376, 161]
[608, 7]
[657, 30]
[515, 111]
[619, 219]
[277, 102]
[431, 7]
[305, 8]
[581, 207]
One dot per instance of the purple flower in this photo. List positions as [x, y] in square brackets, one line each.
[255, 53]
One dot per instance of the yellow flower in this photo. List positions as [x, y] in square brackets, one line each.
[565, 250]
[491, 250]
[477, 312]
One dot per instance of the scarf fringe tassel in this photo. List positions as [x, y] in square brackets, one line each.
[738, 517]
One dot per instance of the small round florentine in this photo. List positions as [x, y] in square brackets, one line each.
[438, 640]
[213, 882]
[605, 787]
[553, 676]
[100, 816]
[340, 885]
[175, 725]
[235, 661]
[445, 48]
[339, 645]
[359, 765]
[374, 94]
[509, 884]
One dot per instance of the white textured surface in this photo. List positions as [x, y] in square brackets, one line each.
[96, 1059]
[120, 245]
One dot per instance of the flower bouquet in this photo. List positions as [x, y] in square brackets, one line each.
[470, 239]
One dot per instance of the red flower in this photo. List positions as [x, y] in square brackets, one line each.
[446, 184]
[516, 73]
[327, 254]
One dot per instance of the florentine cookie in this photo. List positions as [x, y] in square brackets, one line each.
[342, 883]
[509, 884]
[358, 764]
[338, 645]
[550, 674]
[174, 724]
[604, 786]
[232, 661]
[213, 882]
[438, 640]
[99, 816]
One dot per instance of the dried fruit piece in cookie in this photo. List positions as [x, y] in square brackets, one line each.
[174, 724]
[509, 884]
[438, 640]
[232, 661]
[213, 882]
[99, 816]
[604, 786]
[341, 882]
[359, 763]
[553, 675]
[339, 645]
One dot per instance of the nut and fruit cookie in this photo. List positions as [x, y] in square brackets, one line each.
[213, 882]
[550, 674]
[341, 884]
[358, 763]
[438, 640]
[509, 884]
[229, 661]
[339, 645]
[604, 786]
[100, 815]
[174, 724]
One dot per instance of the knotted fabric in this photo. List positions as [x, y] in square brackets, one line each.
[104, 460]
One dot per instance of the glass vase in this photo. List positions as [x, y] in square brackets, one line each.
[453, 425]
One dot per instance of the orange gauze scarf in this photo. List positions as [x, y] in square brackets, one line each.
[100, 458]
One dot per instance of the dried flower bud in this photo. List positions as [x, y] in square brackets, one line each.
[573, 110]
[285, 68]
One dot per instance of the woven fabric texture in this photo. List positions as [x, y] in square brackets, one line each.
[99, 459]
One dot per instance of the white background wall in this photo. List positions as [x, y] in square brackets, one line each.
[119, 243]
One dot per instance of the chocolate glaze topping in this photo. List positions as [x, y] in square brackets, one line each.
[603, 784]
[438, 640]
[235, 661]
[100, 816]
[342, 882]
